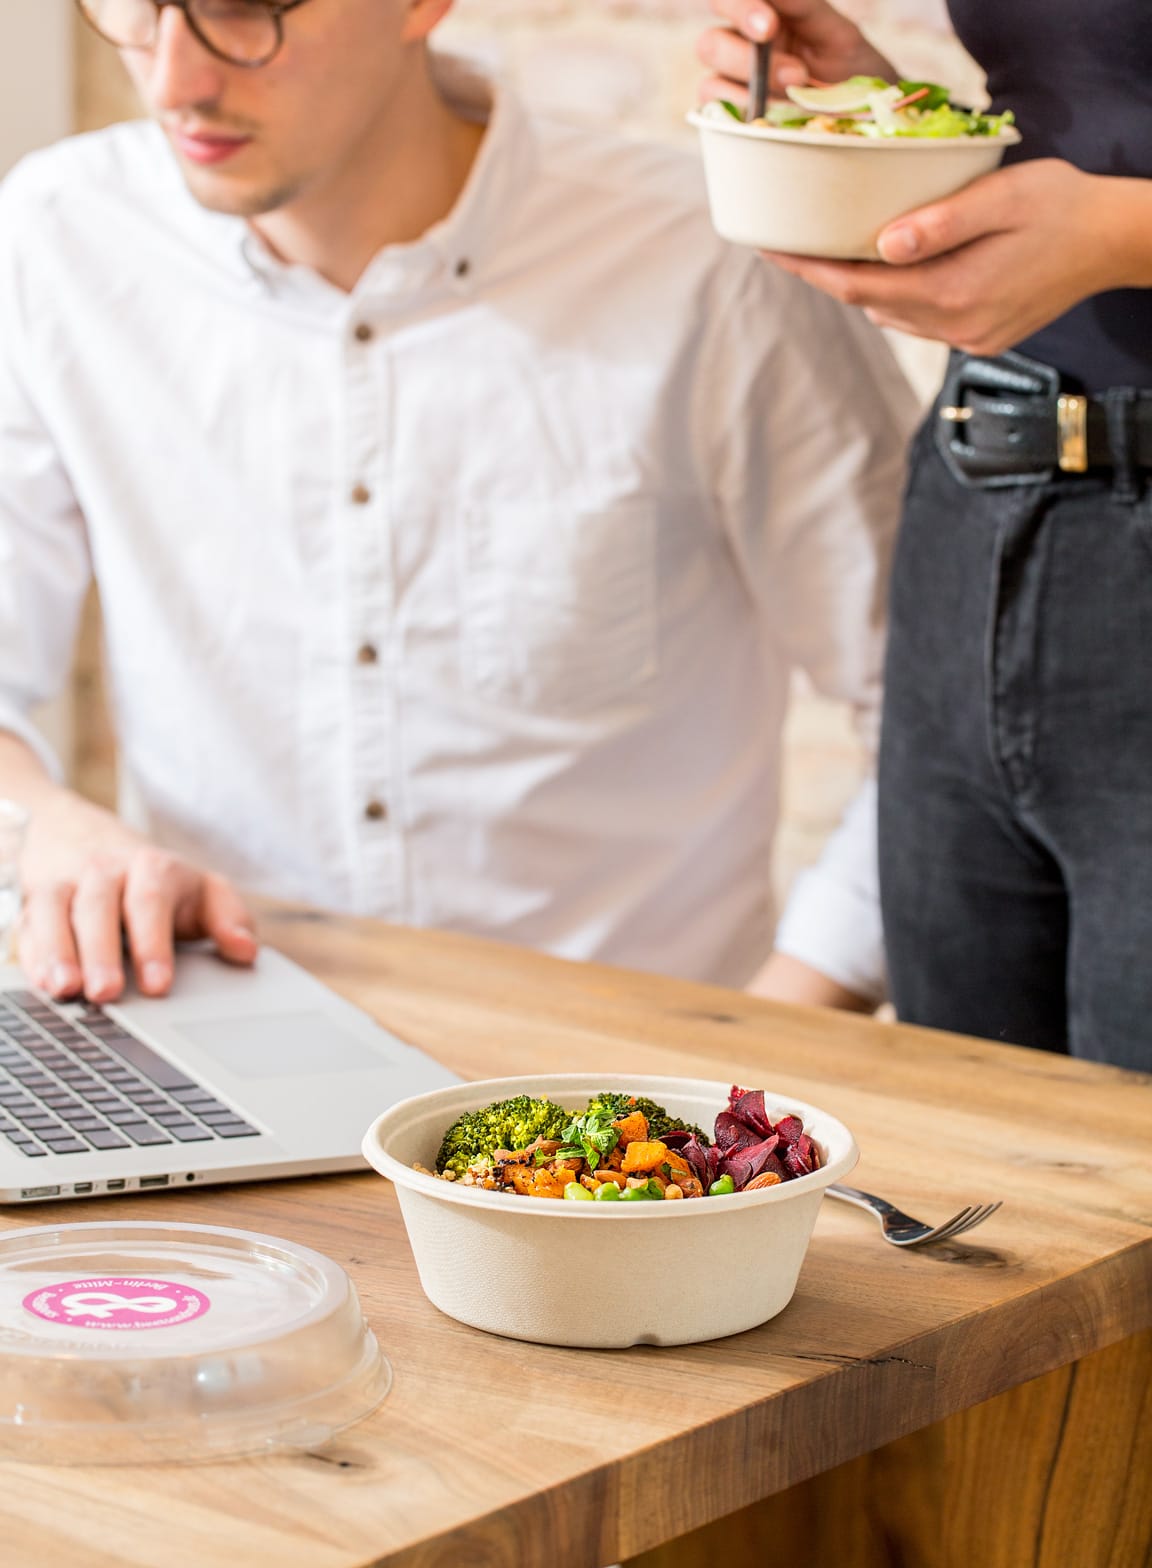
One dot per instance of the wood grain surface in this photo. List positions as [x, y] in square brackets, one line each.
[1054, 1474]
[494, 1454]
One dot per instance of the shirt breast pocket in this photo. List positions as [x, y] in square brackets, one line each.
[558, 611]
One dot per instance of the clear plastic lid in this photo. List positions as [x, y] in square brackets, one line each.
[138, 1343]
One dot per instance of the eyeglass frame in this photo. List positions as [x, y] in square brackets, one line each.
[276, 10]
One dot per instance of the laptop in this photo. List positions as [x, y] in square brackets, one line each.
[238, 1075]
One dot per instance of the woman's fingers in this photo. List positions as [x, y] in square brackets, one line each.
[713, 87]
[750, 17]
[48, 953]
[726, 55]
[731, 60]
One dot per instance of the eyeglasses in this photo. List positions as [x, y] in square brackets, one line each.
[239, 32]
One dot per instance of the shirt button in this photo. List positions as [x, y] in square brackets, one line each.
[363, 332]
[376, 811]
[367, 654]
[361, 495]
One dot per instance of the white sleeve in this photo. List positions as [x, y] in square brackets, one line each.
[815, 417]
[44, 560]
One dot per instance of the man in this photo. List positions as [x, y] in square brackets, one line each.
[459, 506]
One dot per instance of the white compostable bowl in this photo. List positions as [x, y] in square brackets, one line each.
[815, 193]
[594, 1275]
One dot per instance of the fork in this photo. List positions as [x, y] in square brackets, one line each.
[901, 1229]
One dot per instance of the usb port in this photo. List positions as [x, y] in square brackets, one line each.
[82, 1186]
[154, 1181]
[39, 1192]
[118, 1185]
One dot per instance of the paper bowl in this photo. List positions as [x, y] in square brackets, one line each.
[602, 1276]
[813, 193]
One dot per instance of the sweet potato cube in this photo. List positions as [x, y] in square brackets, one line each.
[531, 1183]
[550, 1184]
[644, 1156]
[632, 1128]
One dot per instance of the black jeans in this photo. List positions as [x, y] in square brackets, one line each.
[1016, 763]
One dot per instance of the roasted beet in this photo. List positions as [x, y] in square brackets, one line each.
[728, 1129]
[790, 1128]
[743, 1164]
[697, 1154]
[747, 1105]
[801, 1157]
[747, 1145]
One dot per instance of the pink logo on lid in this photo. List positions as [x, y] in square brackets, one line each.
[117, 1303]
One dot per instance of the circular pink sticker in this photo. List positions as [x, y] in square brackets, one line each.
[117, 1303]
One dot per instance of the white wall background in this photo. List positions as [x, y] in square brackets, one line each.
[36, 96]
[35, 75]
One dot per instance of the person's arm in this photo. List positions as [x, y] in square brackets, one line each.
[1002, 258]
[811, 418]
[89, 881]
[787, 979]
[981, 270]
[86, 877]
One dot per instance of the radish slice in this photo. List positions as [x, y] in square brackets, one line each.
[841, 98]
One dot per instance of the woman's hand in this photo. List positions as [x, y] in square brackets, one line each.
[1001, 259]
[810, 40]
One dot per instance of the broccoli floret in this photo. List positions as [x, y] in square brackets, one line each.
[658, 1119]
[508, 1124]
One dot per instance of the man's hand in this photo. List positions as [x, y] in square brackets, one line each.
[89, 881]
[811, 40]
[788, 979]
[999, 260]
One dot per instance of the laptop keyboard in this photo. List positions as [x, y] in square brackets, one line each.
[70, 1084]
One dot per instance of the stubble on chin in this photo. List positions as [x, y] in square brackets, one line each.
[238, 201]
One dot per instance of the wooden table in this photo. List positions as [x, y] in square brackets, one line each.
[988, 1401]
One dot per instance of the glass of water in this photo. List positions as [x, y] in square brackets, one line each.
[13, 822]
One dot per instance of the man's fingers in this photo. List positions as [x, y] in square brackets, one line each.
[150, 918]
[97, 924]
[47, 948]
[227, 920]
[978, 210]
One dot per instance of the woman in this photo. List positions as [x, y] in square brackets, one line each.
[1016, 759]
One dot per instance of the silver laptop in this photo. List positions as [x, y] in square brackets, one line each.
[239, 1075]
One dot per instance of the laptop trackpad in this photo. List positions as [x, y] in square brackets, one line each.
[282, 1046]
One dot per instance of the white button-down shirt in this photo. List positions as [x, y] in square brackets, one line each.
[470, 598]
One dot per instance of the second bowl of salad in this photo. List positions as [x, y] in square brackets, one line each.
[603, 1211]
[827, 169]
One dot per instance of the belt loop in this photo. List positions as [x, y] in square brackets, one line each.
[1119, 405]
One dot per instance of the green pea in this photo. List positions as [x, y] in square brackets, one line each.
[721, 1187]
[577, 1193]
[636, 1195]
[608, 1193]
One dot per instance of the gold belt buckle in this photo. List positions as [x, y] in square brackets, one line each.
[1072, 434]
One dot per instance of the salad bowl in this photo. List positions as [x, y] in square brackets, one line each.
[811, 192]
[598, 1275]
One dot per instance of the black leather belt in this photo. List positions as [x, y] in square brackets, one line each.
[1007, 421]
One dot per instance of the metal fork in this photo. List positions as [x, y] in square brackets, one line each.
[901, 1229]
